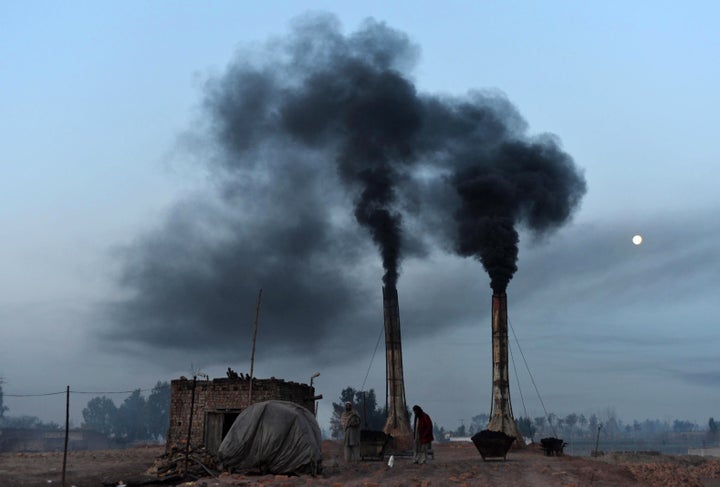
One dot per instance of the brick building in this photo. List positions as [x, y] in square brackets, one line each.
[219, 401]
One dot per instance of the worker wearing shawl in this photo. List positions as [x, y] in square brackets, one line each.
[350, 422]
[423, 433]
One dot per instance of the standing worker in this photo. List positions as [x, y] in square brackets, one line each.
[423, 433]
[350, 421]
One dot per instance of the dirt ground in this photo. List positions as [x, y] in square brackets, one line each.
[455, 464]
[84, 468]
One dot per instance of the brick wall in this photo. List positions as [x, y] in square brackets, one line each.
[224, 394]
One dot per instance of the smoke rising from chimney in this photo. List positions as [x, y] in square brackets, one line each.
[532, 182]
[310, 137]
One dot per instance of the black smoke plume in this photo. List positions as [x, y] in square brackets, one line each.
[528, 182]
[491, 178]
[360, 105]
[307, 138]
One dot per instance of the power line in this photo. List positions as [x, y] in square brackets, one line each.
[362, 388]
[83, 392]
[34, 395]
[532, 379]
[517, 379]
[111, 392]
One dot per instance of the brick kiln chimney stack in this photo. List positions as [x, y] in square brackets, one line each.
[501, 415]
[398, 422]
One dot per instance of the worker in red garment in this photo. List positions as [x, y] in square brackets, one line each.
[423, 432]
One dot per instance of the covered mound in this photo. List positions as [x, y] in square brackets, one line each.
[276, 437]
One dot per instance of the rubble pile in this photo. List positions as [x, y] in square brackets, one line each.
[171, 465]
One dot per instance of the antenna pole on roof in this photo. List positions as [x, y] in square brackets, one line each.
[252, 356]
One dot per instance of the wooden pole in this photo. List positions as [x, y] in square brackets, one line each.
[192, 407]
[67, 433]
[597, 440]
[252, 356]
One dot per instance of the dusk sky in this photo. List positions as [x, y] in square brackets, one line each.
[136, 226]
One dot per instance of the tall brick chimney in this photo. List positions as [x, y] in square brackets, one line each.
[501, 415]
[398, 422]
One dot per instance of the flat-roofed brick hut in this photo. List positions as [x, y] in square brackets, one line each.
[219, 401]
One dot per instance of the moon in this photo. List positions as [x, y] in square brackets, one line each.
[637, 239]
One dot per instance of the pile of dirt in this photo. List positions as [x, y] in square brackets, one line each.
[654, 469]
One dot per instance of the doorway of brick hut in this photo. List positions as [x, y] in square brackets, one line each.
[217, 425]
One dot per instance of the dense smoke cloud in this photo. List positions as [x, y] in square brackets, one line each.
[529, 182]
[319, 141]
[343, 97]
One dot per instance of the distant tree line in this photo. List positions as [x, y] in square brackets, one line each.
[580, 426]
[135, 419]
[573, 425]
[24, 421]
[27, 422]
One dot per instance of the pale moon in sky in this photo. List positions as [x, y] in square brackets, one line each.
[637, 239]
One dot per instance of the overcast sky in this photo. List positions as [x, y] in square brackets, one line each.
[135, 234]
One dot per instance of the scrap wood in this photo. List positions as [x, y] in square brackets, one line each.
[210, 472]
[172, 464]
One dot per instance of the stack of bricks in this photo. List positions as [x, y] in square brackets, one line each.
[225, 394]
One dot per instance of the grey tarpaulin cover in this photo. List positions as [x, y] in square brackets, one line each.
[277, 437]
